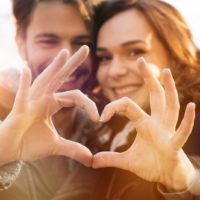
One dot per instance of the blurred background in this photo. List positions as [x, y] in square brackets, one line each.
[8, 51]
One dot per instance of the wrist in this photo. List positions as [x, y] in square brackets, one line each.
[181, 177]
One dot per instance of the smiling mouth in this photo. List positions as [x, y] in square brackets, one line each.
[70, 84]
[126, 90]
[77, 78]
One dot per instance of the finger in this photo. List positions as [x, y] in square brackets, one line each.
[125, 107]
[157, 95]
[185, 128]
[74, 151]
[45, 78]
[70, 66]
[172, 100]
[77, 98]
[23, 89]
[108, 159]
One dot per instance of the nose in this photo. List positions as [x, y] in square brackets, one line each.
[117, 68]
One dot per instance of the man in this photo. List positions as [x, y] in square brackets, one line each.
[44, 27]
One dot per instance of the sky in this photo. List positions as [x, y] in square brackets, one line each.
[8, 51]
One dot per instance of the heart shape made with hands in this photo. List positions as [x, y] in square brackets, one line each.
[156, 137]
[157, 134]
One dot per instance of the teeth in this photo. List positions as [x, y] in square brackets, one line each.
[125, 90]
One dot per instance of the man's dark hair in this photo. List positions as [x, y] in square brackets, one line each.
[23, 9]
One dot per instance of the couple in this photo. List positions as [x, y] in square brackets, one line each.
[156, 154]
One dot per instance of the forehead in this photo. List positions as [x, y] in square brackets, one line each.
[126, 26]
[56, 17]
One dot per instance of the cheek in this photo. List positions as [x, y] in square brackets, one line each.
[101, 75]
[38, 61]
[88, 64]
[37, 54]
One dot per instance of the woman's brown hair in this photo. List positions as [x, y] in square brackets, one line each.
[174, 34]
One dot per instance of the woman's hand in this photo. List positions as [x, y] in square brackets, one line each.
[156, 154]
[28, 132]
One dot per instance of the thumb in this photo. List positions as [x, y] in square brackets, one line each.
[74, 151]
[107, 159]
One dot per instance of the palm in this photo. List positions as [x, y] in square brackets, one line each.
[39, 139]
[150, 150]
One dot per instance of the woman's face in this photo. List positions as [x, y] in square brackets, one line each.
[121, 41]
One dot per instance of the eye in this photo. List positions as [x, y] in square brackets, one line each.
[78, 42]
[81, 43]
[47, 42]
[135, 53]
[76, 46]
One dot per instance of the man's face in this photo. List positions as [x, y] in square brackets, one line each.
[53, 26]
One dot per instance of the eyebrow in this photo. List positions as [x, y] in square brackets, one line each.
[132, 42]
[128, 43]
[52, 35]
[46, 35]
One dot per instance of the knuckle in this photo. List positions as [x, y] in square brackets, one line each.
[78, 93]
[107, 107]
[127, 101]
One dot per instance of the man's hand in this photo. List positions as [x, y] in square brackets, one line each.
[28, 132]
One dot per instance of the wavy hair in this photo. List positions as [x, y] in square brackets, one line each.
[172, 31]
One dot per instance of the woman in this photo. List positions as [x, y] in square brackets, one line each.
[126, 30]
[28, 132]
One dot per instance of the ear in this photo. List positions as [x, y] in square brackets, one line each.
[21, 45]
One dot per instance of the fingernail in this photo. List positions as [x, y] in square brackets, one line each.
[85, 48]
[63, 51]
[141, 59]
[166, 71]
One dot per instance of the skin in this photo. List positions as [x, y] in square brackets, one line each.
[118, 50]
[45, 36]
[122, 74]
[176, 160]
[30, 121]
